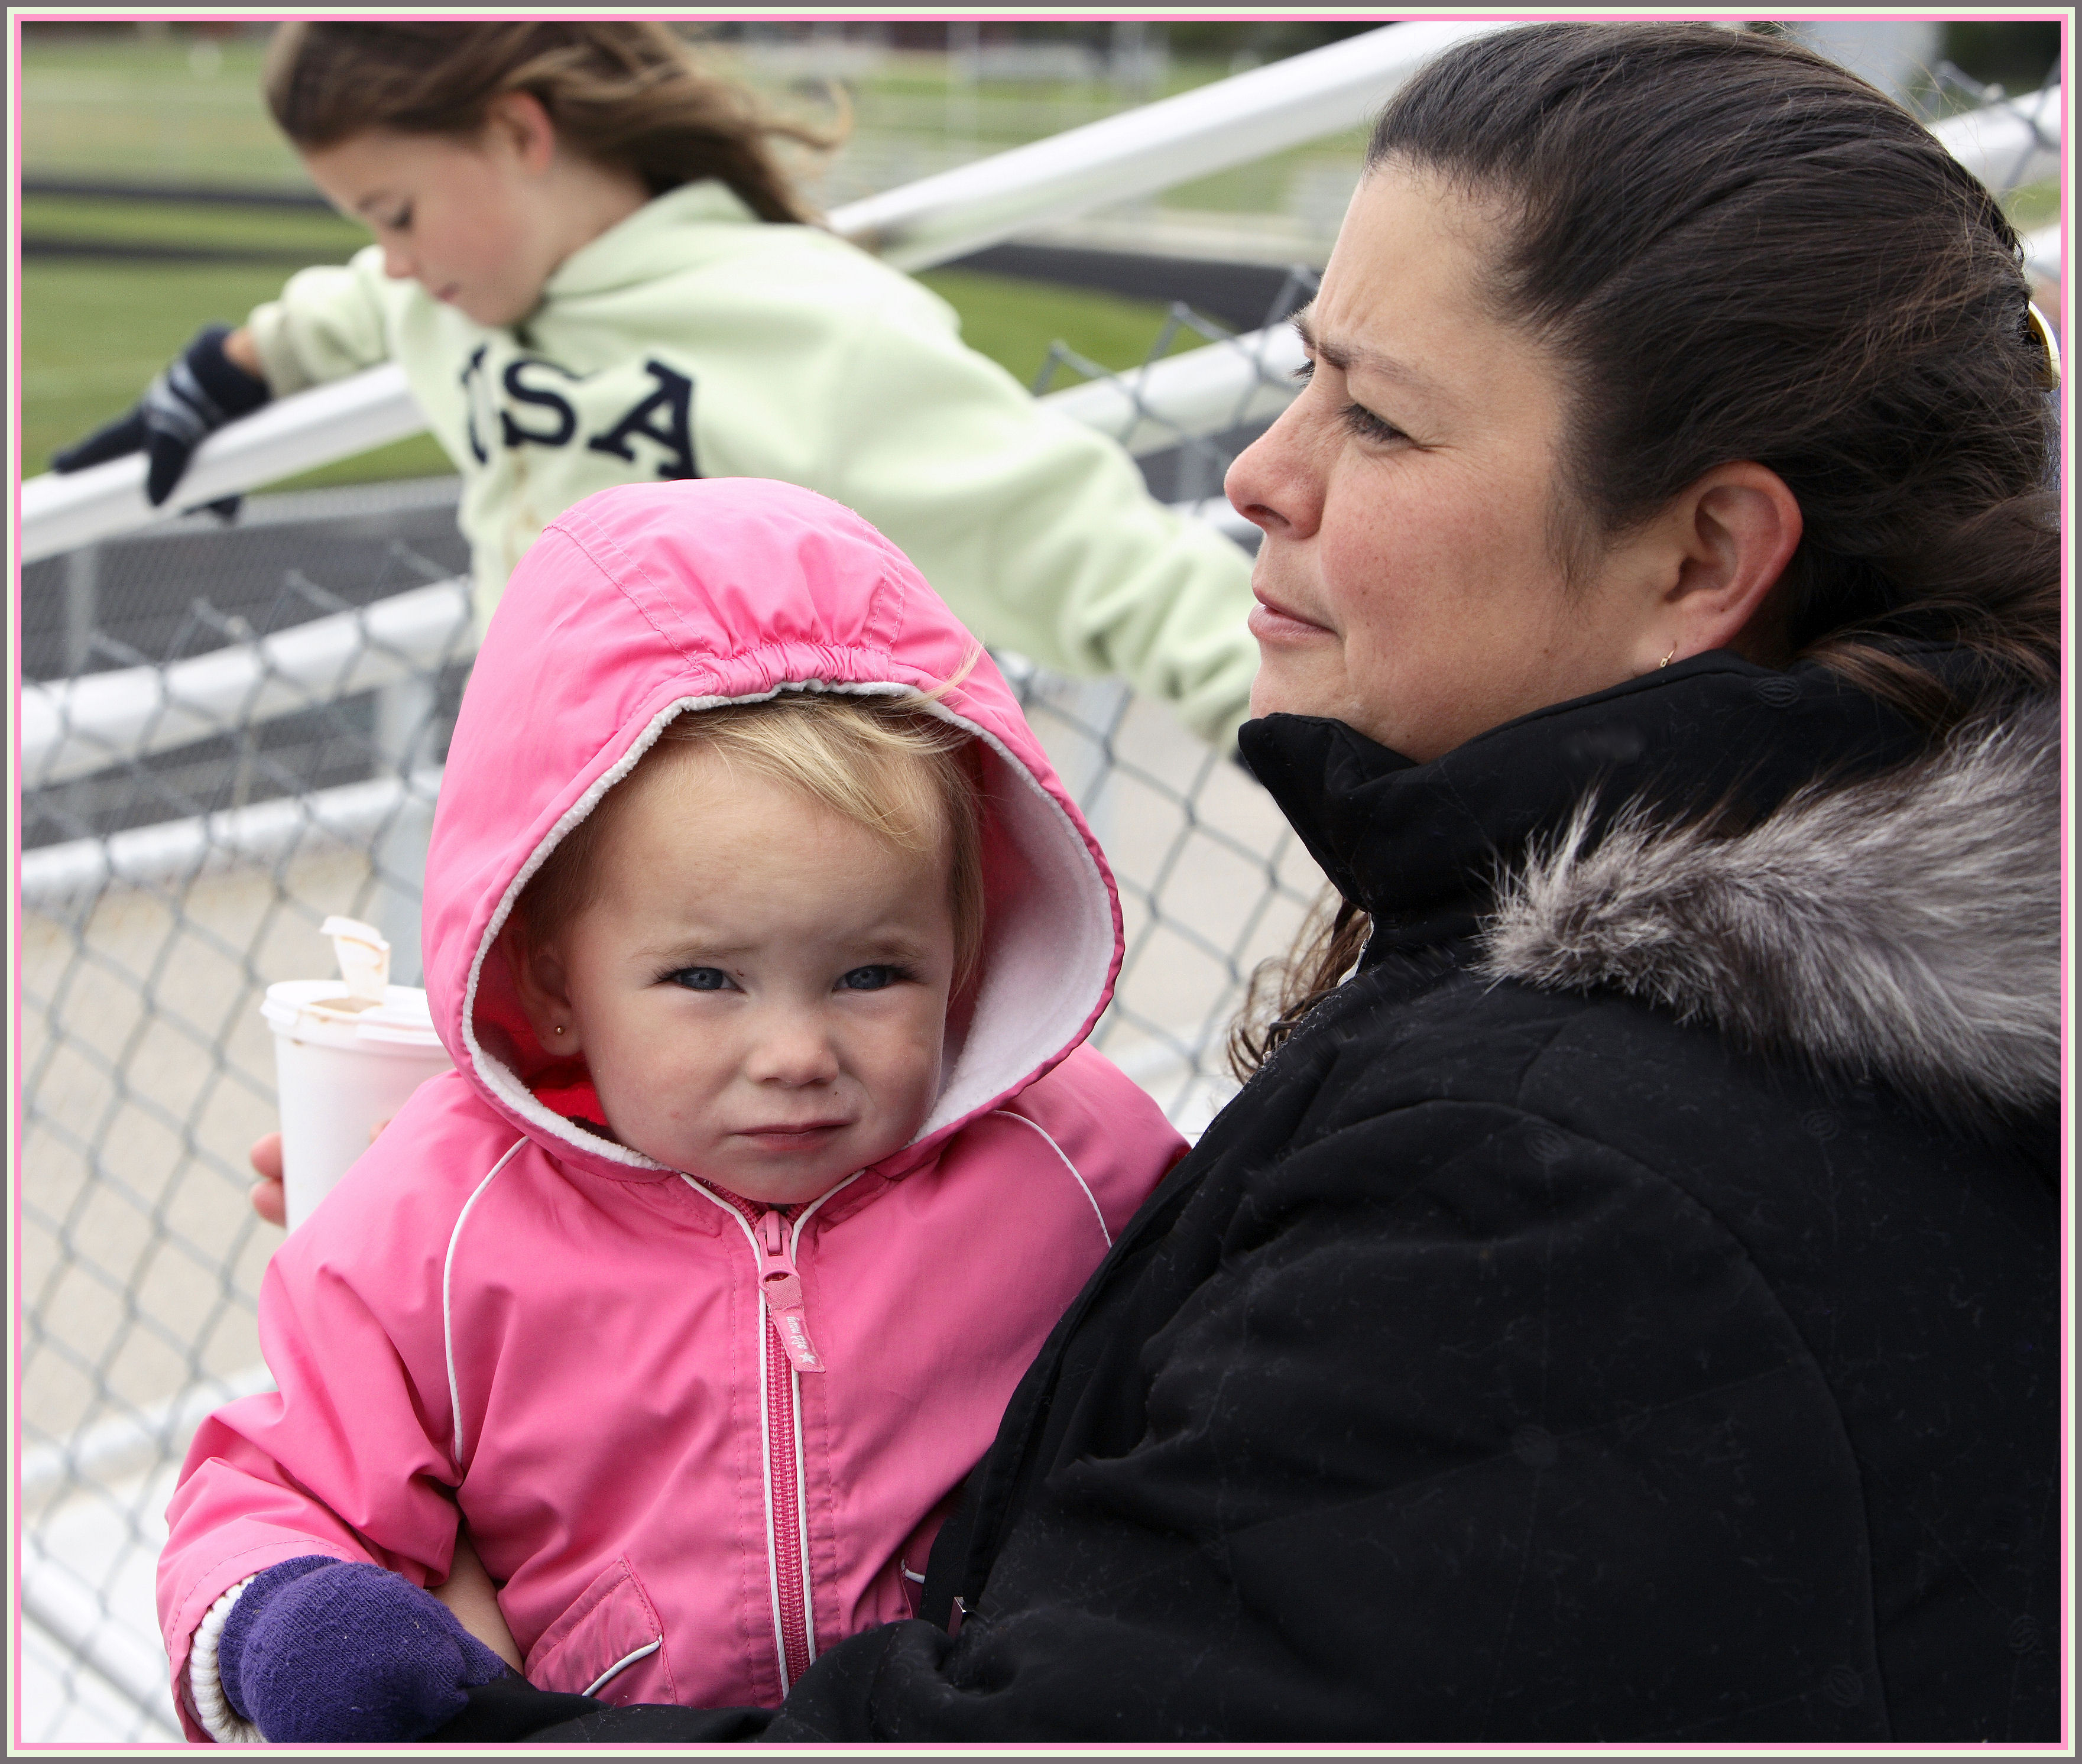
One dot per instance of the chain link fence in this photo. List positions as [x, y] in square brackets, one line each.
[232, 732]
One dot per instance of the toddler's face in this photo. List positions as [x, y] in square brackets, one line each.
[759, 988]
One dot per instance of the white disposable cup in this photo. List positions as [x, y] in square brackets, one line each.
[340, 1067]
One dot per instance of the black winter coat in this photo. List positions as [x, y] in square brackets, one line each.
[1626, 1310]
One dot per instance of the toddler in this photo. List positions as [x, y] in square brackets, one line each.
[765, 941]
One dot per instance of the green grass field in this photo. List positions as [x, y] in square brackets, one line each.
[173, 108]
[112, 103]
[178, 109]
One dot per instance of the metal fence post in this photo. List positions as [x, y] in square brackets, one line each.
[403, 720]
[83, 596]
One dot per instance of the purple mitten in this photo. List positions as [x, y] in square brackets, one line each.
[316, 1650]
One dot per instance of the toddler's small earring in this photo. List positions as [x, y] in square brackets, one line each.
[1666, 661]
[560, 1029]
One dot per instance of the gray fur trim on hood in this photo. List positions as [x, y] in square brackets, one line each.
[1905, 928]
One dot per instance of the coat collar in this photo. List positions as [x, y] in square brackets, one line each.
[1774, 854]
[1420, 847]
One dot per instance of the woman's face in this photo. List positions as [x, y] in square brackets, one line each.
[1411, 581]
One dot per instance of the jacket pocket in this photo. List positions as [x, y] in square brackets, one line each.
[610, 1628]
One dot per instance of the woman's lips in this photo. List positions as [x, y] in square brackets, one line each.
[1272, 624]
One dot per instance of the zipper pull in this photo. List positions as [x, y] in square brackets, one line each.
[781, 1288]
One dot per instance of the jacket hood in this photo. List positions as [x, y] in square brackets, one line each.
[649, 599]
[652, 242]
[1771, 853]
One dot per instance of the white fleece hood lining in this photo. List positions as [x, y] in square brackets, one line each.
[1047, 953]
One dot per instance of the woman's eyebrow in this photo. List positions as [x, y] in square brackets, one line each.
[1344, 357]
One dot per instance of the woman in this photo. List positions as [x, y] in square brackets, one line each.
[1623, 1304]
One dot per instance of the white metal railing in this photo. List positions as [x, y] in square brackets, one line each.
[74, 727]
[291, 435]
[1139, 152]
[117, 1445]
[942, 216]
[1201, 393]
[1208, 129]
[1192, 394]
[144, 857]
[2016, 141]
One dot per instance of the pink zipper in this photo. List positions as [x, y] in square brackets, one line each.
[789, 1350]
[781, 1288]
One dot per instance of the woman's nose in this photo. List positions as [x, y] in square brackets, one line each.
[1274, 483]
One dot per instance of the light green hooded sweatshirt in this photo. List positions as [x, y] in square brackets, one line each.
[692, 339]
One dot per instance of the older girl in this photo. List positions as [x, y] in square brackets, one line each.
[593, 272]
[1624, 1305]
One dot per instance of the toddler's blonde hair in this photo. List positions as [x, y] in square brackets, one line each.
[888, 764]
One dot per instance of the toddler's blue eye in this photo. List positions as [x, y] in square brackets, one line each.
[700, 979]
[871, 979]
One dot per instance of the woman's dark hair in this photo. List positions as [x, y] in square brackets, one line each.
[1737, 250]
[622, 93]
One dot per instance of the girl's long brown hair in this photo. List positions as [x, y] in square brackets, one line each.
[629, 94]
[1735, 249]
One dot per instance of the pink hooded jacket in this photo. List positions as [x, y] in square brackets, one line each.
[500, 1316]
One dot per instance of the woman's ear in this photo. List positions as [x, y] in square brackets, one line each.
[520, 123]
[1733, 531]
[539, 978]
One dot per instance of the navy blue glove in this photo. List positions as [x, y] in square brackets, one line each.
[316, 1650]
[201, 392]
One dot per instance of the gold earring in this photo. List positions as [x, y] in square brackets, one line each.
[2043, 326]
[1666, 661]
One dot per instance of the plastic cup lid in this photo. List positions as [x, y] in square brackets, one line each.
[403, 1017]
[326, 1011]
